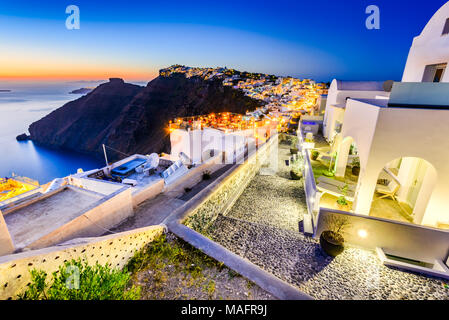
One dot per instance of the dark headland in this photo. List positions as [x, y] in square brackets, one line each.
[133, 119]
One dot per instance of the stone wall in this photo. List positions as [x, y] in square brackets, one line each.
[116, 249]
[6, 244]
[227, 192]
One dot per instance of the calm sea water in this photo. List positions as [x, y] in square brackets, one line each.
[26, 103]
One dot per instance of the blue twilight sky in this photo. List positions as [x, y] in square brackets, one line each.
[134, 39]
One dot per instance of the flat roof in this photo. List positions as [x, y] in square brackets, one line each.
[381, 103]
[360, 85]
[385, 103]
[31, 222]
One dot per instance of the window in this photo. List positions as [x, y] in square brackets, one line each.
[446, 28]
[434, 73]
[438, 75]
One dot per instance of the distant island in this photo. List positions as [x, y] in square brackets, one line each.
[5, 90]
[82, 91]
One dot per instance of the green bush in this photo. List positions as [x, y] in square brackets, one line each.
[76, 280]
[207, 175]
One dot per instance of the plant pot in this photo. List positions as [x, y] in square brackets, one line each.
[356, 171]
[314, 156]
[294, 150]
[332, 243]
[295, 175]
[345, 208]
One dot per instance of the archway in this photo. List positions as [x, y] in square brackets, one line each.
[339, 190]
[403, 190]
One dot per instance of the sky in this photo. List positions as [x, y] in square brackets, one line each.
[134, 39]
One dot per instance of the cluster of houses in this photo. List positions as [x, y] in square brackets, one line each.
[279, 94]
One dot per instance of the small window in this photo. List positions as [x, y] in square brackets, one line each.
[446, 27]
[438, 75]
[434, 72]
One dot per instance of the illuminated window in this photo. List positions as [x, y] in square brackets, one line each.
[446, 27]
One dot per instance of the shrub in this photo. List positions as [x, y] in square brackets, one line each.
[342, 201]
[76, 280]
[206, 175]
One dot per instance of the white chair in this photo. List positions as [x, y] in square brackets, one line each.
[389, 190]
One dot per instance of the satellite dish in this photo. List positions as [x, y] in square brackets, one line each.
[388, 85]
[153, 161]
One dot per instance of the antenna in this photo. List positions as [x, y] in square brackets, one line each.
[105, 155]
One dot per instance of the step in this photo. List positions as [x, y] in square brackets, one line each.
[308, 225]
[436, 268]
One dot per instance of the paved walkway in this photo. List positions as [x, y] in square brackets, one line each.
[264, 226]
[150, 212]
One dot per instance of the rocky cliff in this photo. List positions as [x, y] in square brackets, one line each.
[133, 119]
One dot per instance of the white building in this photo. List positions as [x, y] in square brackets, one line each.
[398, 202]
[198, 144]
[429, 54]
[408, 139]
[339, 93]
[406, 134]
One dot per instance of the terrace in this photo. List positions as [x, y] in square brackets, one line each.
[12, 189]
[32, 221]
[133, 171]
[331, 188]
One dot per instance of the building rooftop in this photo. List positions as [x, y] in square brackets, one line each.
[360, 85]
[381, 103]
[31, 222]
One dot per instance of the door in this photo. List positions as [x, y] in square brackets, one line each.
[418, 178]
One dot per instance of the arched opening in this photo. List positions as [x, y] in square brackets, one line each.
[403, 190]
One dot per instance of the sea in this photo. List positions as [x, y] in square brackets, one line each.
[24, 104]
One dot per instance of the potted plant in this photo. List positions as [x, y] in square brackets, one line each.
[206, 175]
[342, 202]
[332, 240]
[296, 171]
[356, 166]
[314, 155]
[294, 146]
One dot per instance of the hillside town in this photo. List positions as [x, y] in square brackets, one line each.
[282, 98]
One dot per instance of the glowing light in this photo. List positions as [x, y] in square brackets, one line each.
[362, 233]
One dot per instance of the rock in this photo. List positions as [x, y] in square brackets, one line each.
[133, 119]
[23, 137]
